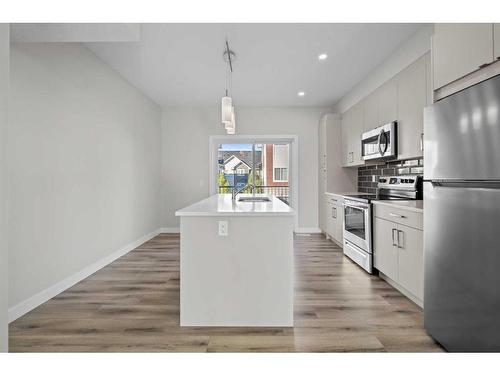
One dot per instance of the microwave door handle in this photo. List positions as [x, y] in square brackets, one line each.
[378, 141]
[382, 134]
[386, 142]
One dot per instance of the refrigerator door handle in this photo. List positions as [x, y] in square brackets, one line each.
[487, 184]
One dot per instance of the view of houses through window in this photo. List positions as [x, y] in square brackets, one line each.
[254, 167]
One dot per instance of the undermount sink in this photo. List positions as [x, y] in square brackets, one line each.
[254, 199]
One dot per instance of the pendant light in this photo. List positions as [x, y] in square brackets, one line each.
[227, 107]
[230, 126]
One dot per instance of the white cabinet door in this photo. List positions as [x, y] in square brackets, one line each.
[496, 41]
[356, 132]
[323, 219]
[388, 102]
[370, 104]
[330, 222]
[339, 224]
[385, 251]
[412, 98]
[459, 49]
[347, 153]
[411, 266]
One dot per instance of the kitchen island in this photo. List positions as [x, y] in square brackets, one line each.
[237, 262]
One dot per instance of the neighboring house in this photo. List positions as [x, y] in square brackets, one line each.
[244, 156]
[242, 161]
[234, 163]
[272, 166]
[276, 165]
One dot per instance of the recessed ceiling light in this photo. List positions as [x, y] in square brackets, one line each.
[322, 56]
[301, 93]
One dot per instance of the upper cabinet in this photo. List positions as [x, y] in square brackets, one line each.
[346, 129]
[388, 102]
[496, 41]
[412, 98]
[357, 130]
[400, 99]
[459, 49]
[370, 109]
[352, 128]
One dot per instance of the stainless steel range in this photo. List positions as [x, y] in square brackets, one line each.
[358, 215]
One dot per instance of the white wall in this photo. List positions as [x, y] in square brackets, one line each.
[185, 141]
[409, 51]
[84, 165]
[4, 95]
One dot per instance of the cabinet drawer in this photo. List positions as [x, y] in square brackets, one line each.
[400, 216]
[334, 199]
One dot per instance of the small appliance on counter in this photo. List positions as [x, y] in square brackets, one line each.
[358, 215]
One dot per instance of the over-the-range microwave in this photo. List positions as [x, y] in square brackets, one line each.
[380, 143]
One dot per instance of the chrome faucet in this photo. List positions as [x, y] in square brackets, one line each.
[235, 192]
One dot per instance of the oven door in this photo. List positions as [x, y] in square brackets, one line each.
[380, 143]
[357, 225]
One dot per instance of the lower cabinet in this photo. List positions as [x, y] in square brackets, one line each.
[398, 254]
[385, 253]
[334, 218]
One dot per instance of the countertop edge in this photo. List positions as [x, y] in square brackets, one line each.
[219, 205]
[399, 206]
[237, 214]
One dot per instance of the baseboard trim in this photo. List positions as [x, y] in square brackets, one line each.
[170, 230]
[307, 230]
[29, 304]
[402, 290]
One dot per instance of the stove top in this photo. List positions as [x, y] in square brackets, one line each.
[393, 188]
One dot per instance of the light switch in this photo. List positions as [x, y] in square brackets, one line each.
[223, 228]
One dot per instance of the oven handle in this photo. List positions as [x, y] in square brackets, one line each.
[360, 207]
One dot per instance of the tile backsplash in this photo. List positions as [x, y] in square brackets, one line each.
[390, 168]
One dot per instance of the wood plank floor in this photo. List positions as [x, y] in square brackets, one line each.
[132, 305]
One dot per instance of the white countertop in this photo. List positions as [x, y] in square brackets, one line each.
[222, 205]
[415, 206]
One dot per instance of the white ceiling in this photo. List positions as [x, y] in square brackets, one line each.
[182, 65]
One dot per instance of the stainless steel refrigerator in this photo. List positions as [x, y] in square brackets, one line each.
[462, 219]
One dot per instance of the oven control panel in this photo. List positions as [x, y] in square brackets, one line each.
[399, 182]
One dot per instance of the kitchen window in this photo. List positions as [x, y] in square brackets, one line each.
[254, 167]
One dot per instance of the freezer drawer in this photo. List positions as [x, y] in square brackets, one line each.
[462, 134]
[462, 266]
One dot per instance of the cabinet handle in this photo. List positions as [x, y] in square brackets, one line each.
[421, 141]
[401, 245]
[334, 212]
[393, 230]
[397, 215]
[483, 65]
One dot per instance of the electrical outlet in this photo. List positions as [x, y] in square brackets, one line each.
[223, 228]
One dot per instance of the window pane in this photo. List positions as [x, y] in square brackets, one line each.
[268, 165]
